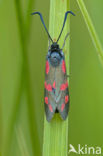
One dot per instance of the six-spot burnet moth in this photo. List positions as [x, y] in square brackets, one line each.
[56, 94]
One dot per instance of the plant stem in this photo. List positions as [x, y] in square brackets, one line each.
[21, 141]
[55, 141]
[24, 79]
[13, 118]
[31, 114]
[28, 19]
[1, 128]
[91, 29]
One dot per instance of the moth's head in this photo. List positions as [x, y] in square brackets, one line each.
[55, 47]
[55, 54]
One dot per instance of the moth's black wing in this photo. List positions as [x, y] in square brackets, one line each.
[49, 102]
[62, 90]
[56, 90]
[63, 106]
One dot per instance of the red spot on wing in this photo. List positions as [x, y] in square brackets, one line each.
[62, 107]
[48, 86]
[63, 66]
[54, 84]
[64, 86]
[66, 99]
[47, 67]
[46, 100]
[50, 108]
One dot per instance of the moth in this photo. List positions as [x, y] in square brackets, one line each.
[56, 91]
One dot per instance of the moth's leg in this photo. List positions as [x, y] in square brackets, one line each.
[65, 40]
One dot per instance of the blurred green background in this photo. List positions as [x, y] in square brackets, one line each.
[26, 108]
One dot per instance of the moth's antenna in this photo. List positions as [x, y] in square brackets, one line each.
[43, 23]
[64, 22]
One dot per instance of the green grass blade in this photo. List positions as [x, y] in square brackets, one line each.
[13, 117]
[21, 141]
[12, 120]
[1, 127]
[24, 79]
[55, 141]
[28, 19]
[30, 104]
[91, 29]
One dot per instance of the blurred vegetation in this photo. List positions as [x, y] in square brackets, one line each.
[22, 112]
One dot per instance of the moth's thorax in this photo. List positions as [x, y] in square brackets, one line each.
[55, 55]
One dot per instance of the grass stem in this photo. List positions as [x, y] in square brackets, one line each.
[24, 79]
[55, 141]
[91, 29]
